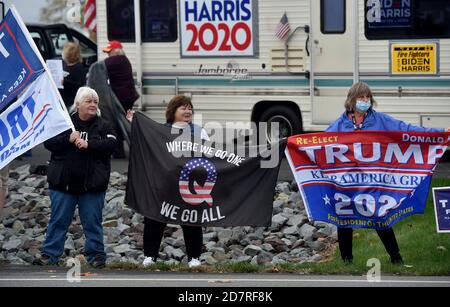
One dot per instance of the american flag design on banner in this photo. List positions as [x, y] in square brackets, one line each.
[202, 192]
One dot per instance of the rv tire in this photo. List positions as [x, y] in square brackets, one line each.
[288, 119]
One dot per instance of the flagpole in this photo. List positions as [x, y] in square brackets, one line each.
[38, 54]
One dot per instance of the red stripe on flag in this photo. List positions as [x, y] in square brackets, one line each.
[89, 14]
[202, 196]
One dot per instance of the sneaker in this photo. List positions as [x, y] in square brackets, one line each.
[194, 263]
[44, 260]
[148, 261]
[98, 262]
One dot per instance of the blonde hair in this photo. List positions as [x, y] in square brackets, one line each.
[357, 90]
[71, 53]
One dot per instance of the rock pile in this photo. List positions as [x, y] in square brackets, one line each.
[291, 237]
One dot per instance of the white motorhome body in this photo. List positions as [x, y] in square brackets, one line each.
[300, 80]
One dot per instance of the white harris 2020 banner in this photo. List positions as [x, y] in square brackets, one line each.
[211, 28]
[36, 116]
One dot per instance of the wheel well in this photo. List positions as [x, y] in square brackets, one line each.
[262, 106]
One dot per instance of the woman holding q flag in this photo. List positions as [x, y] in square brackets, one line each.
[360, 115]
[179, 116]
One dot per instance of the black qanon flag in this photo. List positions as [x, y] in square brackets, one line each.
[188, 181]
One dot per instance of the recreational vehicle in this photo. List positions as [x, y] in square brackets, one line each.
[285, 61]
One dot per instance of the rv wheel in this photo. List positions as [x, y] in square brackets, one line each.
[288, 120]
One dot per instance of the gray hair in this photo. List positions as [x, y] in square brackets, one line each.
[85, 92]
[117, 51]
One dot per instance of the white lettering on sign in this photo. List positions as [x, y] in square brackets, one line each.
[3, 50]
[341, 153]
[217, 28]
[365, 205]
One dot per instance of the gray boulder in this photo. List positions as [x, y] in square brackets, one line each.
[307, 231]
[252, 250]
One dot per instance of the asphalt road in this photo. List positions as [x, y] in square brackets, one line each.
[32, 276]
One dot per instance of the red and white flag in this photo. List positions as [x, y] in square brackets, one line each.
[89, 15]
[283, 27]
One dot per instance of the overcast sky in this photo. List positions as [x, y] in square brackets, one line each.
[29, 10]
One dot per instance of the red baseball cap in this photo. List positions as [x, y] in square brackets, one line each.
[112, 45]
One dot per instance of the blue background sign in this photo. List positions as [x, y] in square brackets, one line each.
[441, 197]
[20, 65]
[393, 13]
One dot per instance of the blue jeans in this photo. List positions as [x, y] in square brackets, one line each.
[90, 206]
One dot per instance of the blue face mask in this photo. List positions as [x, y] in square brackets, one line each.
[362, 105]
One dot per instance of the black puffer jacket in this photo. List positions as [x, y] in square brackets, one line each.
[76, 170]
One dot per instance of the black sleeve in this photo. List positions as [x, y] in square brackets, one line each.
[59, 143]
[106, 144]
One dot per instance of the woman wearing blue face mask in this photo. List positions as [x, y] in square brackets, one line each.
[360, 115]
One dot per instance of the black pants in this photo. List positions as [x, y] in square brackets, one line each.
[387, 236]
[153, 233]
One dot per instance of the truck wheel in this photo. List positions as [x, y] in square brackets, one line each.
[289, 122]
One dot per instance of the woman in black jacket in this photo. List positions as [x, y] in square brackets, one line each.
[75, 73]
[78, 173]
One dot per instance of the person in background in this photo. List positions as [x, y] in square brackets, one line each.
[179, 113]
[78, 174]
[120, 74]
[360, 115]
[74, 71]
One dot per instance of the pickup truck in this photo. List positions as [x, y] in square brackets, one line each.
[50, 40]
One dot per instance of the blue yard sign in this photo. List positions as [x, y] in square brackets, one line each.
[441, 198]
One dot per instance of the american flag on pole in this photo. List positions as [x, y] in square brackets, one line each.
[89, 15]
[283, 28]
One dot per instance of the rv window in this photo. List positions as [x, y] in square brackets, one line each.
[407, 19]
[159, 20]
[332, 16]
[120, 14]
